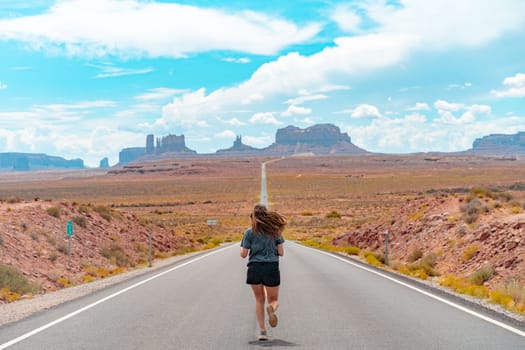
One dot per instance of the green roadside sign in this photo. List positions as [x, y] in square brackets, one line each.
[69, 228]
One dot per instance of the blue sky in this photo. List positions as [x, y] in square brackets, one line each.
[86, 78]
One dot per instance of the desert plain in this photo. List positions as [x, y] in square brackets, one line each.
[457, 219]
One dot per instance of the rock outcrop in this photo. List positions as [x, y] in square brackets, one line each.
[239, 149]
[166, 147]
[320, 139]
[36, 161]
[319, 135]
[500, 145]
[104, 163]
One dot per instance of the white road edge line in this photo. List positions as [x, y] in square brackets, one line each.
[454, 305]
[85, 308]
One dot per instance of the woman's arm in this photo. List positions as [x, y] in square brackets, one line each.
[244, 252]
[280, 249]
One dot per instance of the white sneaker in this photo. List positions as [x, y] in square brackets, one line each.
[263, 336]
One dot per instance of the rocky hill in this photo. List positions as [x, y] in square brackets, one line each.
[460, 233]
[500, 145]
[33, 240]
[36, 161]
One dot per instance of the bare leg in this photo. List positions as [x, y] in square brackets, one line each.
[272, 293]
[258, 292]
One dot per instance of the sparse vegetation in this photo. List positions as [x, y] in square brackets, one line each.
[116, 254]
[64, 282]
[472, 210]
[14, 200]
[13, 281]
[80, 221]
[374, 259]
[462, 285]
[83, 209]
[54, 211]
[62, 248]
[351, 250]
[470, 252]
[53, 257]
[415, 255]
[103, 211]
[334, 214]
[482, 275]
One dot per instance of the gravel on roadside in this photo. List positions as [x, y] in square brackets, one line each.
[23, 308]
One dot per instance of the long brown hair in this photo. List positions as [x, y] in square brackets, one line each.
[267, 222]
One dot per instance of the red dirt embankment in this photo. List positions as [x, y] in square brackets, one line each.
[440, 225]
[35, 242]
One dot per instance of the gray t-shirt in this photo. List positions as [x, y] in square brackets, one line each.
[263, 248]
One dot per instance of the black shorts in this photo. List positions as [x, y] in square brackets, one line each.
[265, 273]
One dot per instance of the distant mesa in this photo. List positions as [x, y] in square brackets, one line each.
[104, 163]
[36, 161]
[500, 145]
[239, 149]
[172, 145]
[321, 139]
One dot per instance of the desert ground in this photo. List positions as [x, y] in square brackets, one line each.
[449, 218]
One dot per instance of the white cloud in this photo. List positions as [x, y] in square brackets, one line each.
[305, 98]
[110, 71]
[400, 31]
[226, 134]
[415, 118]
[442, 105]
[234, 122]
[264, 118]
[3, 85]
[160, 93]
[255, 97]
[419, 106]
[413, 133]
[460, 86]
[365, 111]
[445, 23]
[295, 110]
[515, 84]
[241, 60]
[257, 141]
[446, 112]
[346, 19]
[97, 28]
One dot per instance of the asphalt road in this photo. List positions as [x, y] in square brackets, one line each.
[204, 303]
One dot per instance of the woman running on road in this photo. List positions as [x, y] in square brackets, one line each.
[264, 244]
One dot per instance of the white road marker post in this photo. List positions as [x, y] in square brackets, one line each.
[386, 247]
[150, 255]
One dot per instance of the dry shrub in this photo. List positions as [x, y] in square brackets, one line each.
[415, 255]
[103, 211]
[482, 275]
[470, 252]
[80, 221]
[334, 214]
[54, 211]
[15, 281]
[116, 254]
[352, 250]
